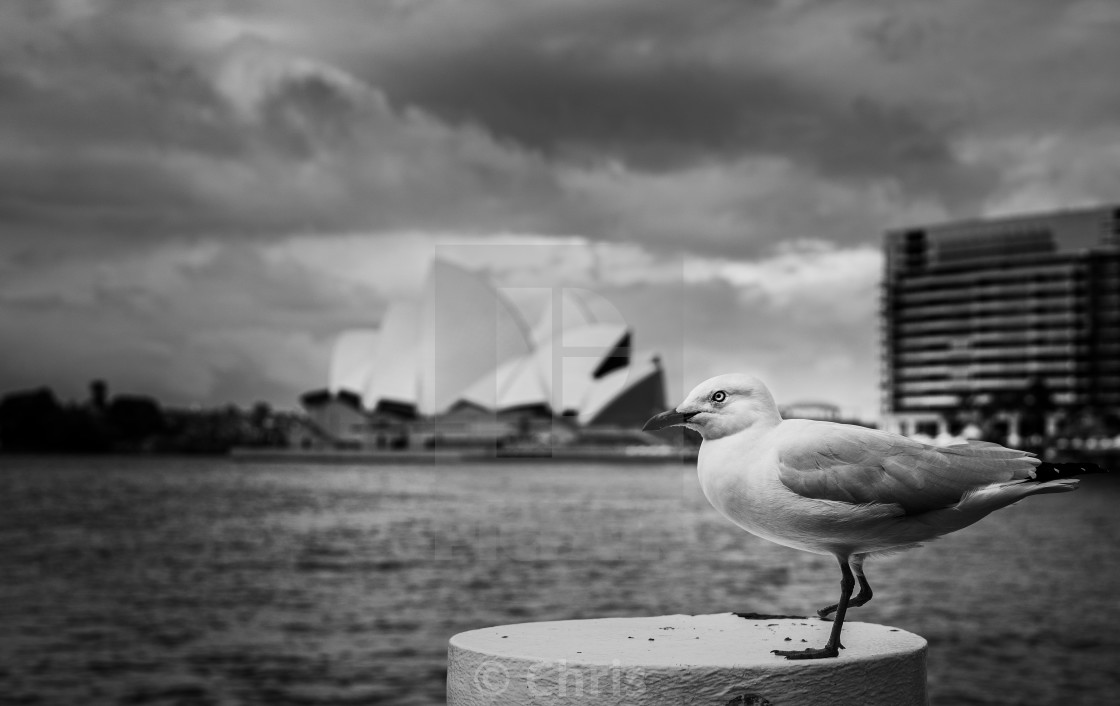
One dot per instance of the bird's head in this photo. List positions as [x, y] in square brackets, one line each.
[721, 406]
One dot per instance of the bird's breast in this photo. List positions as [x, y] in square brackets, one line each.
[746, 489]
[738, 484]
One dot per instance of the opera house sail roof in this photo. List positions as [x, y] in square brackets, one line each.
[465, 343]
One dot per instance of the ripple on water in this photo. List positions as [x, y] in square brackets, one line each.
[186, 581]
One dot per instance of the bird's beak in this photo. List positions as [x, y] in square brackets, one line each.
[671, 418]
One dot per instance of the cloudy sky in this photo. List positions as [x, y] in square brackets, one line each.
[196, 196]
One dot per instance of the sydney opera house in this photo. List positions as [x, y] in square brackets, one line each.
[466, 364]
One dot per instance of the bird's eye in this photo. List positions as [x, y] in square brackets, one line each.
[719, 396]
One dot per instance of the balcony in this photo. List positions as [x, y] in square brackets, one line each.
[1061, 301]
[1059, 271]
[1023, 368]
[985, 384]
[1033, 321]
[979, 292]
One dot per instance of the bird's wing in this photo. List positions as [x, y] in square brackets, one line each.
[858, 465]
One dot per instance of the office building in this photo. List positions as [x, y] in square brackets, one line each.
[1007, 318]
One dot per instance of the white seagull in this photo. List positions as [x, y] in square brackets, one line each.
[845, 490]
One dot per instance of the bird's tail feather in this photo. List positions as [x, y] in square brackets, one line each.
[997, 495]
[1045, 472]
[978, 502]
[1061, 485]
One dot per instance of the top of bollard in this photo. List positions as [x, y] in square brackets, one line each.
[722, 660]
[722, 640]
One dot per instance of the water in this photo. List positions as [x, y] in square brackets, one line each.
[188, 581]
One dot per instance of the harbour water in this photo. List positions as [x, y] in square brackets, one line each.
[205, 581]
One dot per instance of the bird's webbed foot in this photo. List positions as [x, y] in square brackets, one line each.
[810, 652]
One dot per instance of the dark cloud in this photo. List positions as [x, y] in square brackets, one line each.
[485, 116]
[637, 82]
[253, 141]
[718, 129]
[268, 118]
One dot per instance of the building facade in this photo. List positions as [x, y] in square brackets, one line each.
[1002, 318]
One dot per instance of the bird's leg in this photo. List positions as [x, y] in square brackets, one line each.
[865, 593]
[832, 647]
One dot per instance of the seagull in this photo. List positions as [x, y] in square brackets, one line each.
[844, 490]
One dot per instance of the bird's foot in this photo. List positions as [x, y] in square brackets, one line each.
[810, 652]
[827, 611]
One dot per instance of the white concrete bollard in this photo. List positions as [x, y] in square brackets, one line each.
[721, 660]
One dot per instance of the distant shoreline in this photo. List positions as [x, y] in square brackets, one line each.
[629, 454]
[1109, 458]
